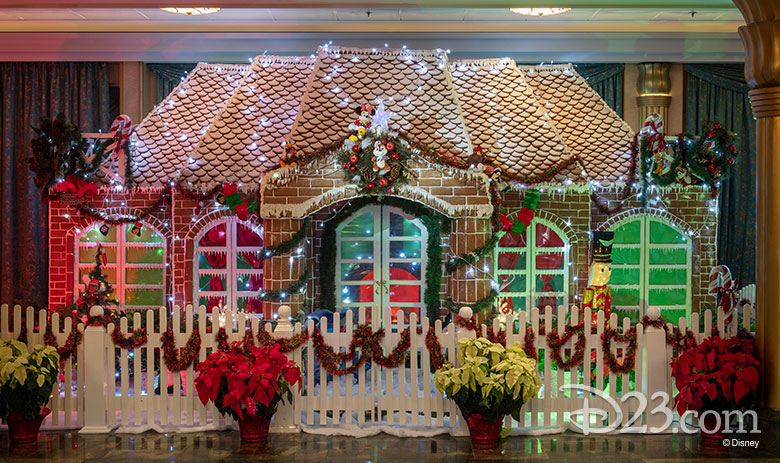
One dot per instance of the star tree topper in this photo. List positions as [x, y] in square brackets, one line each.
[380, 118]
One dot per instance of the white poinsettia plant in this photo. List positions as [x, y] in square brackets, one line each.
[26, 378]
[491, 380]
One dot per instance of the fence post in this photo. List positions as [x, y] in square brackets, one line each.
[283, 418]
[95, 368]
[655, 371]
[466, 313]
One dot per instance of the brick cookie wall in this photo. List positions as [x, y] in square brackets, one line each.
[316, 188]
[686, 208]
[66, 225]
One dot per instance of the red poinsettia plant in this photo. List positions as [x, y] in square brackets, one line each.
[718, 374]
[247, 380]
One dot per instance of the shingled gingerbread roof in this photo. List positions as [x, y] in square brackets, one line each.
[229, 122]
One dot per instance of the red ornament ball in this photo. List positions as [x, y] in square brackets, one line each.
[710, 134]
[390, 146]
[732, 148]
[370, 186]
[382, 182]
[717, 126]
[352, 168]
[394, 156]
[356, 148]
[389, 179]
[731, 160]
[353, 159]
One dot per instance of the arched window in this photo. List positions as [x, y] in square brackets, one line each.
[228, 266]
[533, 268]
[651, 262]
[136, 263]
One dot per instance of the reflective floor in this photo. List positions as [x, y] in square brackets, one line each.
[227, 447]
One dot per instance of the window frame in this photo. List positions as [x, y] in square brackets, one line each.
[231, 294]
[120, 245]
[531, 272]
[644, 266]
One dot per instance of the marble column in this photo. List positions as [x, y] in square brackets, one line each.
[760, 36]
[654, 87]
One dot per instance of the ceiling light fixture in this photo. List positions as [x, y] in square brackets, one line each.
[539, 11]
[191, 11]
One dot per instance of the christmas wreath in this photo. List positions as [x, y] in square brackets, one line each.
[711, 156]
[377, 162]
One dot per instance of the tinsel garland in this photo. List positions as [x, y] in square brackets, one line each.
[286, 345]
[222, 339]
[477, 307]
[629, 356]
[529, 344]
[369, 343]
[294, 288]
[136, 339]
[180, 359]
[555, 341]
[435, 224]
[434, 348]
[71, 346]
[492, 336]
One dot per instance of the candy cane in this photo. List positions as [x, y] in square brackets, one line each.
[723, 287]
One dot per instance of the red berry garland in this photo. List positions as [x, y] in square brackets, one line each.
[222, 339]
[556, 341]
[629, 355]
[180, 359]
[434, 347]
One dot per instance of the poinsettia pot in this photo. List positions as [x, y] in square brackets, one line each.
[253, 428]
[27, 378]
[248, 383]
[711, 426]
[484, 431]
[21, 431]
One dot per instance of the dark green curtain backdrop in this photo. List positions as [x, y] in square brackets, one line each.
[168, 76]
[607, 80]
[719, 92]
[29, 91]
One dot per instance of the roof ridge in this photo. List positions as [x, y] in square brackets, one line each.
[485, 62]
[330, 49]
[283, 59]
[547, 67]
[222, 67]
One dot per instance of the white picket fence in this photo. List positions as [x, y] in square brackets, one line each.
[99, 394]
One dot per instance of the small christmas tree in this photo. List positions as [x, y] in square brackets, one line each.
[96, 292]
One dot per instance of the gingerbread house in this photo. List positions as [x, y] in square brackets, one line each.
[319, 239]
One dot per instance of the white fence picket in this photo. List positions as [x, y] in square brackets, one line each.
[403, 396]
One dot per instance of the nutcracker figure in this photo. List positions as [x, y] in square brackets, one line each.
[598, 295]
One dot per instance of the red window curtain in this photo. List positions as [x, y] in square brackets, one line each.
[215, 237]
[546, 238]
[508, 260]
[247, 237]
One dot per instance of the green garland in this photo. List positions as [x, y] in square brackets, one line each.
[469, 259]
[477, 307]
[287, 245]
[434, 222]
[58, 150]
[274, 295]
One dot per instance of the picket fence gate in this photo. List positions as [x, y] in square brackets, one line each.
[97, 393]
